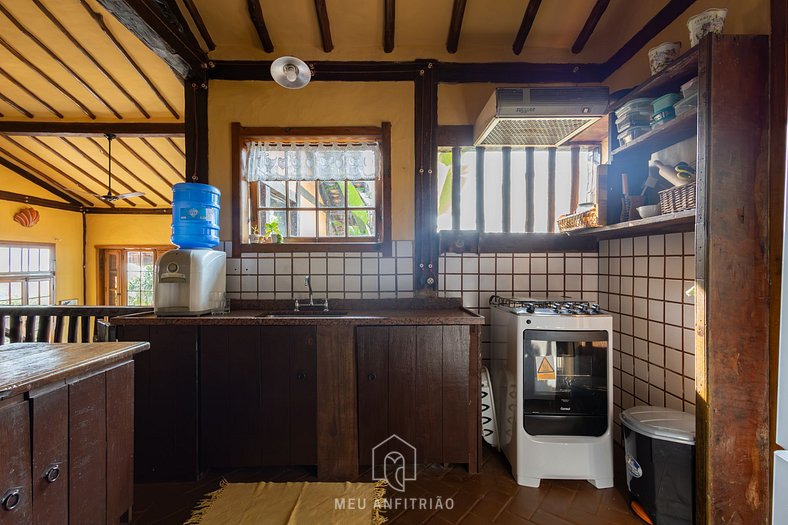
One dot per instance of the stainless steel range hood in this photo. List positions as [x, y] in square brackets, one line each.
[543, 116]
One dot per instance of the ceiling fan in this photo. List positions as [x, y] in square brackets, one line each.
[109, 196]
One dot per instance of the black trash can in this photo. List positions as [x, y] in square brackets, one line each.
[659, 446]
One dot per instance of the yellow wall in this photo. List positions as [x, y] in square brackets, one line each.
[59, 227]
[319, 104]
[744, 17]
[124, 230]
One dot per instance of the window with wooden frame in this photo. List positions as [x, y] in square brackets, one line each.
[27, 274]
[126, 274]
[320, 189]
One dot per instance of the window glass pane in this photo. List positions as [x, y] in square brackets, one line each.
[361, 223]
[273, 218]
[34, 263]
[302, 224]
[468, 189]
[5, 293]
[272, 194]
[16, 293]
[32, 290]
[563, 183]
[5, 259]
[301, 194]
[540, 190]
[444, 188]
[361, 194]
[518, 206]
[332, 223]
[45, 259]
[493, 198]
[25, 259]
[16, 259]
[332, 194]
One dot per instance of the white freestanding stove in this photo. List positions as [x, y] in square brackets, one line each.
[552, 378]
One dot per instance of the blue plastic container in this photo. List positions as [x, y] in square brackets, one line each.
[195, 215]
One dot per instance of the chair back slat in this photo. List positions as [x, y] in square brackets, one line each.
[59, 326]
[2, 329]
[30, 328]
[16, 329]
[44, 323]
[84, 328]
[72, 328]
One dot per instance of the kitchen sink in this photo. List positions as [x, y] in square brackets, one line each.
[303, 313]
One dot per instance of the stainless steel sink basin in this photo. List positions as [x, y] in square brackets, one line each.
[304, 314]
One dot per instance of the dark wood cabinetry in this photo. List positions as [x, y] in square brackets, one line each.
[16, 502]
[258, 396]
[413, 381]
[50, 422]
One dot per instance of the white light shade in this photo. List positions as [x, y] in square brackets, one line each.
[290, 72]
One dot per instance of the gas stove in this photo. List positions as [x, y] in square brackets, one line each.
[545, 306]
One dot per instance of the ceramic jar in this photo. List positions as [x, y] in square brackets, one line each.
[709, 21]
[662, 55]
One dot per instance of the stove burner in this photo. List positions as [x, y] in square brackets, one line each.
[547, 306]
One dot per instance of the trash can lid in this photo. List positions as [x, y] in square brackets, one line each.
[661, 423]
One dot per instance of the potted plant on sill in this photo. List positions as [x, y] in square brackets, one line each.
[272, 232]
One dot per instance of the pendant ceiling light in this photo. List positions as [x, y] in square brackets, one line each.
[290, 72]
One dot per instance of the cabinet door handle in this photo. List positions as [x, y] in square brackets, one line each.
[11, 499]
[371, 376]
[52, 473]
[301, 375]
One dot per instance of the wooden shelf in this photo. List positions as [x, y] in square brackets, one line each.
[682, 221]
[682, 127]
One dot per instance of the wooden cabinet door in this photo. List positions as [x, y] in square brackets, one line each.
[50, 455]
[372, 376]
[16, 501]
[87, 458]
[277, 343]
[303, 396]
[457, 409]
[120, 440]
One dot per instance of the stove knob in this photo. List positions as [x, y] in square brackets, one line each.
[530, 308]
[594, 308]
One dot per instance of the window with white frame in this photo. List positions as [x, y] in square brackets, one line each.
[27, 274]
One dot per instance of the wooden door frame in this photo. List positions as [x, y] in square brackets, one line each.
[123, 248]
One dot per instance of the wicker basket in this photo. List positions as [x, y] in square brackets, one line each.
[579, 220]
[678, 198]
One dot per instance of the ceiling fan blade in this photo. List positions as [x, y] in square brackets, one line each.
[84, 192]
[128, 195]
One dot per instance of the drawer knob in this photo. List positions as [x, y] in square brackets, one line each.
[11, 499]
[372, 376]
[52, 473]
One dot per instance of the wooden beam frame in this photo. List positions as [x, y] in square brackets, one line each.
[455, 26]
[103, 26]
[164, 159]
[258, 20]
[146, 22]
[196, 121]
[92, 129]
[525, 26]
[180, 23]
[588, 28]
[38, 201]
[30, 93]
[145, 163]
[389, 13]
[48, 184]
[15, 105]
[324, 25]
[176, 147]
[660, 21]
[198, 21]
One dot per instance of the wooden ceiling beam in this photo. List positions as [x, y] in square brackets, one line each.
[455, 26]
[92, 129]
[180, 23]
[142, 160]
[38, 201]
[181, 176]
[176, 147]
[30, 93]
[256, 14]
[44, 182]
[653, 27]
[129, 211]
[198, 21]
[54, 56]
[11, 49]
[103, 26]
[71, 38]
[147, 23]
[16, 106]
[389, 11]
[588, 28]
[324, 25]
[525, 26]
[131, 173]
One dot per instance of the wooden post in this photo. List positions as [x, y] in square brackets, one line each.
[196, 128]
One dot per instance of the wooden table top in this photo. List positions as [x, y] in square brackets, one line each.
[25, 366]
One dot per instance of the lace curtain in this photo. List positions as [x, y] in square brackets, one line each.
[264, 161]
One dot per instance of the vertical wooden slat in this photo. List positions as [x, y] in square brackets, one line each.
[475, 410]
[455, 394]
[402, 382]
[273, 388]
[303, 395]
[30, 328]
[42, 335]
[59, 326]
[372, 355]
[551, 190]
[506, 189]
[479, 189]
[15, 329]
[84, 328]
[2, 329]
[456, 197]
[429, 409]
[529, 189]
[120, 440]
[72, 328]
[574, 192]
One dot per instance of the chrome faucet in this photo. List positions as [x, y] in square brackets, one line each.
[308, 284]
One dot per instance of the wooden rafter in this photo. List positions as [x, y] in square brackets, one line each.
[176, 147]
[30, 93]
[256, 14]
[79, 185]
[324, 25]
[45, 182]
[71, 38]
[182, 26]
[11, 49]
[588, 28]
[156, 152]
[653, 27]
[198, 21]
[100, 22]
[16, 106]
[131, 173]
[38, 201]
[146, 22]
[455, 26]
[389, 12]
[145, 162]
[92, 129]
[525, 26]
[54, 56]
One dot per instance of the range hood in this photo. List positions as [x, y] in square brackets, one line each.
[542, 116]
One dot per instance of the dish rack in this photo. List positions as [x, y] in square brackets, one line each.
[578, 220]
[678, 198]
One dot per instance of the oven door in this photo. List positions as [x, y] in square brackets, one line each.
[565, 382]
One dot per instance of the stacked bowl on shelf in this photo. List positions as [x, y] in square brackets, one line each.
[689, 92]
[633, 119]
